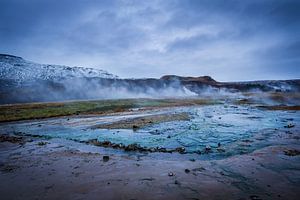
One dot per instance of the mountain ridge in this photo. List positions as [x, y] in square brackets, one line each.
[15, 67]
[24, 81]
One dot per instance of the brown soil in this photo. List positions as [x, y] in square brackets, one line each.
[56, 171]
[280, 107]
[140, 122]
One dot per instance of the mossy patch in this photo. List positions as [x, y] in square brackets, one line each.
[14, 112]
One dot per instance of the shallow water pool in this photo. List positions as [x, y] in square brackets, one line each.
[237, 129]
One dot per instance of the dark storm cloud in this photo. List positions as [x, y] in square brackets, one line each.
[229, 40]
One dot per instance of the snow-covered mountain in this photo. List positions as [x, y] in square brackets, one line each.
[24, 81]
[20, 70]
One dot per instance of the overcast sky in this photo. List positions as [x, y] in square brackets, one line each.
[228, 40]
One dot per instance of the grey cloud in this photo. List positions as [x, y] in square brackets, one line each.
[152, 38]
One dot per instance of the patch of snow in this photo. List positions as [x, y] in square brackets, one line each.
[16, 68]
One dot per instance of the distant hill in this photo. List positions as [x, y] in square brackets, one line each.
[16, 68]
[24, 81]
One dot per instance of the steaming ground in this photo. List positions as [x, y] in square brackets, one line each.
[23, 81]
[220, 146]
[100, 136]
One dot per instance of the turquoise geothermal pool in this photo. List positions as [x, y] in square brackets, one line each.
[238, 129]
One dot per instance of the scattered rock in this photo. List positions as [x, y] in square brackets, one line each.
[255, 197]
[171, 174]
[187, 171]
[9, 168]
[289, 126]
[176, 182]
[106, 143]
[42, 143]
[134, 147]
[160, 149]
[292, 152]
[105, 158]
[207, 149]
[11, 139]
[180, 149]
[192, 159]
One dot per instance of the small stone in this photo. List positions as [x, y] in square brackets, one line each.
[176, 182]
[164, 150]
[187, 171]
[254, 197]
[171, 174]
[207, 148]
[168, 136]
[135, 127]
[219, 144]
[180, 150]
[42, 143]
[106, 143]
[289, 126]
[192, 159]
[105, 158]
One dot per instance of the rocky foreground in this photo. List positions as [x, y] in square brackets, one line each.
[35, 168]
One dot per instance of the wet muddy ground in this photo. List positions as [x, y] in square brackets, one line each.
[222, 151]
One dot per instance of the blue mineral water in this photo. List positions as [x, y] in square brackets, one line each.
[226, 129]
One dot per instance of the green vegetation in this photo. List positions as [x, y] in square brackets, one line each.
[15, 112]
